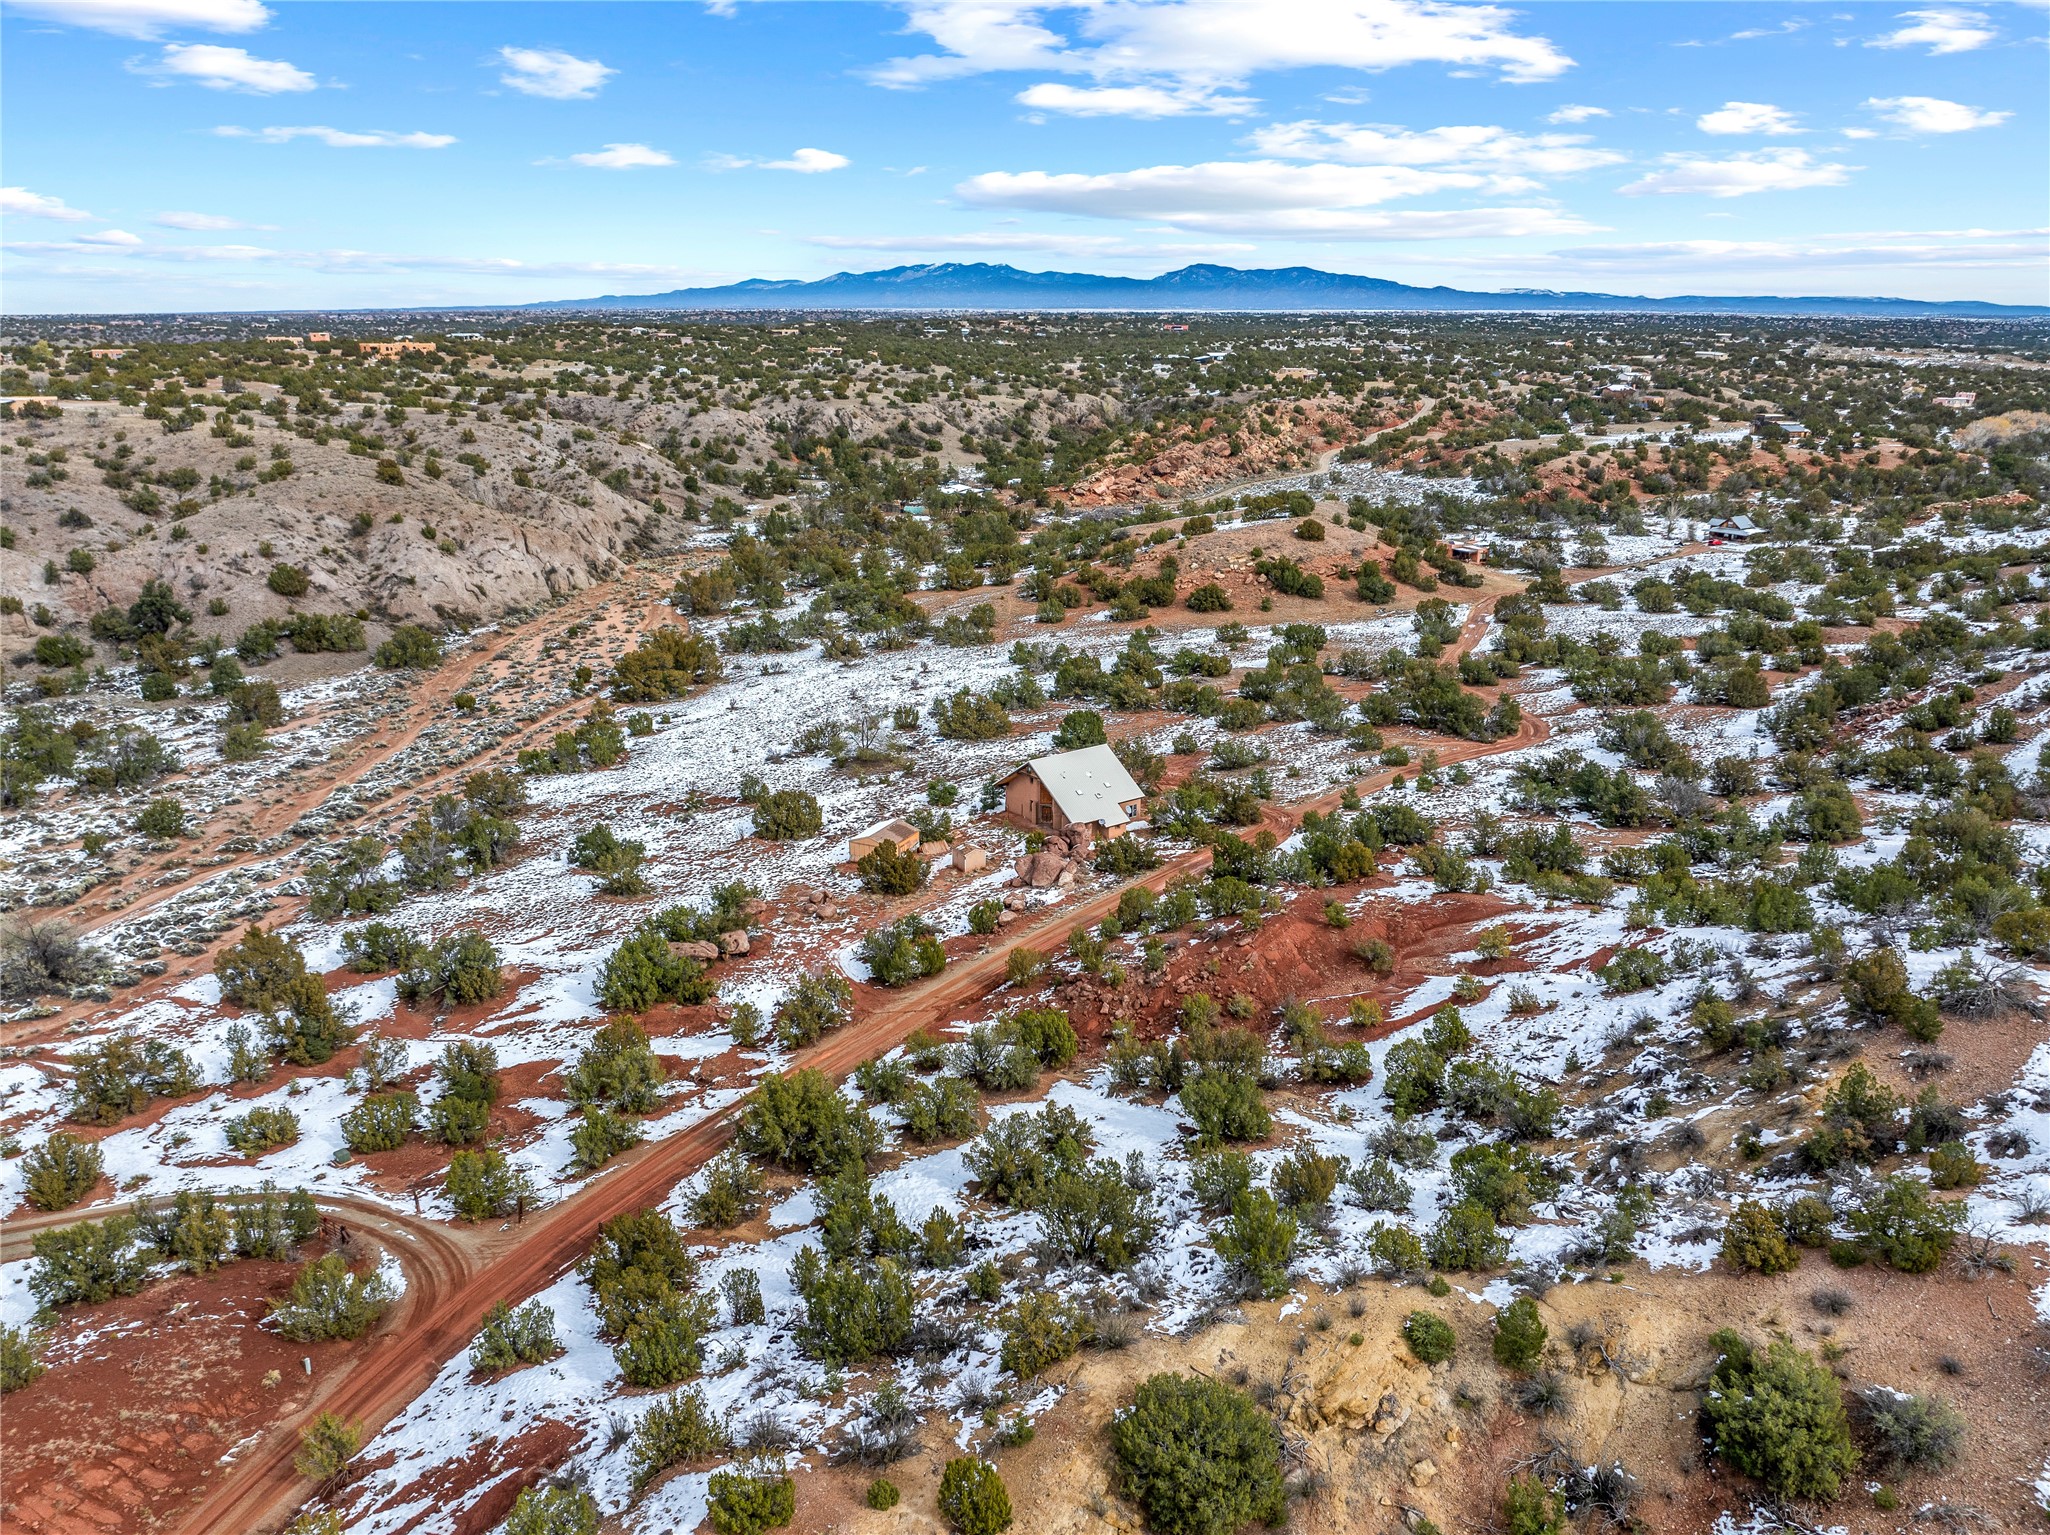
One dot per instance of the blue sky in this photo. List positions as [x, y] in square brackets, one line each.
[238, 154]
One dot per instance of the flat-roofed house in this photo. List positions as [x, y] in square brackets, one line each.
[1089, 789]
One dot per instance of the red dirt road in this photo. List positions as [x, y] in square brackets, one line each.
[454, 1276]
[509, 1263]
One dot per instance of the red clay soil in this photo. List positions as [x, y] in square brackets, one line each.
[514, 1263]
[1224, 558]
[509, 1465]
[1183, 464]
[1295, 953]
[459, 1274]
[152, 1392]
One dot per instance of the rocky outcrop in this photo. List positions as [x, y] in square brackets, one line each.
[1041, 871]
[1368, 1390]
[1061, 862]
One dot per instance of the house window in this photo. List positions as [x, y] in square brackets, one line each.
[1045, 811]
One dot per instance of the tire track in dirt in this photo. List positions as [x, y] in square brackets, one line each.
[429, 1243]
[436, 688]
[513, 1262]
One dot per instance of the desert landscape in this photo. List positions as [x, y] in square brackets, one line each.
[531, 1004]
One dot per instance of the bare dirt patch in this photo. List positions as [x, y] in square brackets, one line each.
[1384, 1434]
[147, 1396]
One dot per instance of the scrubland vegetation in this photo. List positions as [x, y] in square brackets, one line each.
[1636, 902]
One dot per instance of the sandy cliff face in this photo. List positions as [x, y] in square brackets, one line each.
[538, 520]
[471, 545]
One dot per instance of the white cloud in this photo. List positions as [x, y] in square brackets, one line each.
[809, 162]
[1021, 240]
[806, 162]
[552, 73]
[1474, 148]
[228, 69]
[1791, 25]
[1206, 44]
[1576, 114]
[202, 222]
[341, 138]
[1749, 117]
[1761, 170]
[1265, 197]
[1174, 192]
[978, 38]
[1402, 224]
[1963, 249]
[1143, 101]
[1940, 31]
[1996, 264]
[624, 157]
[1932, 114]
[351, 261]
[149, 19]
[20, 202]
[118, 238]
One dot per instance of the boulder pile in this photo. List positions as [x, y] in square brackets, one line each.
[1062, 862]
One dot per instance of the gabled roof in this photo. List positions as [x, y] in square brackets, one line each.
[1088, 785]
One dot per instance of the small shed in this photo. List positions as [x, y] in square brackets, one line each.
[1471, 554]
[1738, 528]
[1087, 788]
[900, 834]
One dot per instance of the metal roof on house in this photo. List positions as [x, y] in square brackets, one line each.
[891, 831]
[1088, 785]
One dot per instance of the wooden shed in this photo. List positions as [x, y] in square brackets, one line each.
[902, 834]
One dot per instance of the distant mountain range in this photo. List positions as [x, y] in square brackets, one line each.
[953, 285]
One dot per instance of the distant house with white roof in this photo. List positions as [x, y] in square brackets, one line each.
[1087, 789]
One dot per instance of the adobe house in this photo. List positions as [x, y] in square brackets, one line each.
[902, 834]
[1089, 789]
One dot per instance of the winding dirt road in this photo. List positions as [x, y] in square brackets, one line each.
[454, 1276]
